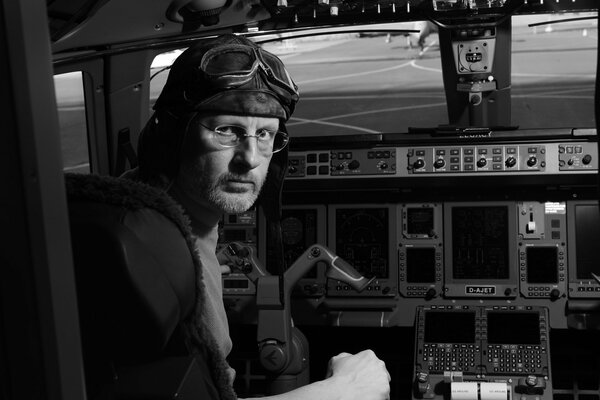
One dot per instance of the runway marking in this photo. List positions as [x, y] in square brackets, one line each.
[413, 64]
[324, 120]
[376, 71]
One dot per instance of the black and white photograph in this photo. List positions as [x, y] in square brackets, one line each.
[299, 200]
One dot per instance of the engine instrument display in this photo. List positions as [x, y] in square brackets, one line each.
[480, 246]
[480, 249]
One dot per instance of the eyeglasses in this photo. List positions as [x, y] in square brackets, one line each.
[269, 141]
[233, 65]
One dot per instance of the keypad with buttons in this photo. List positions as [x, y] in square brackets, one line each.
[494, 349]
[439, 357]
[516, 359]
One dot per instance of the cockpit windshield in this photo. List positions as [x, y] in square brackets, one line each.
[384, 80]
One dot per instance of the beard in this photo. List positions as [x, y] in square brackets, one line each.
[232, 200]
[227, 193]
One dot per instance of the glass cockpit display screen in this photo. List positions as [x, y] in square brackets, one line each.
[587, 233]
[513, 327]
[419, 220]
[298, 232]
[480, 242]
[542, 265]
[449, 327]
[362, 239]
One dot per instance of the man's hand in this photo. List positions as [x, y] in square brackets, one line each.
[361, 376]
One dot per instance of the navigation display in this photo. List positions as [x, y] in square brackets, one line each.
[587, 234]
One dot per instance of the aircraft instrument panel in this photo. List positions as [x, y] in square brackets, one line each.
[482, 247]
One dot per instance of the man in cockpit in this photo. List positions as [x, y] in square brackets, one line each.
[216, 138]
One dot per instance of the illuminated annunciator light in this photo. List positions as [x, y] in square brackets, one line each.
[378, 8]
[408, 6]
[394, 8]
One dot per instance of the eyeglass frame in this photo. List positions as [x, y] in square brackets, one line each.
[217, 134]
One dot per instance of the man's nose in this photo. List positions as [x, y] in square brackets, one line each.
[248, 153]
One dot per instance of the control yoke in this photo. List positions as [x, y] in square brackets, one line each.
[283, 349]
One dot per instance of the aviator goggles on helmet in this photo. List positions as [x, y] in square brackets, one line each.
[233, 65]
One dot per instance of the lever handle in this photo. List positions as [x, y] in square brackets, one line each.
[343, 271]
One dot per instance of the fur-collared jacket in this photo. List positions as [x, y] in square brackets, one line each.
[129, 195]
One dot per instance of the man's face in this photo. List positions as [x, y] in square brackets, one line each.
[224, 179]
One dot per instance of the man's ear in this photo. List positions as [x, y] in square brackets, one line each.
[160, 144]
